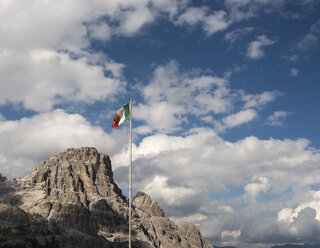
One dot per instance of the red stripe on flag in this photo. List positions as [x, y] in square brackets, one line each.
[116, 120]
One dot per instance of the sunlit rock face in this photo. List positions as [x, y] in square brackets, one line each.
[71, 200]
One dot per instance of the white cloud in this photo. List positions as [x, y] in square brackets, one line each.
[43, 25]
[304, 228]
[315, 28]
[3, 159]
[37, 76]
[216, 22]
[289, 214]
[2, 118]
[162, 116]
[175, 170]
[211, 22]
[169, 6]
[277, 118]
[173, 196]
[201, 159]
[240, 10]
[294, 72]
[259, 184]
[311, 39]
[174, 96]
[259, 100]
[42, 78]
[170, 166]
[192, 16]
[294, 57]
[134, 19]
[100, 31]
[255, 47]
[29, 141]
[237, 34]
[239, 118]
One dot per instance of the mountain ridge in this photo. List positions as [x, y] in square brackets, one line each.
[71, 200]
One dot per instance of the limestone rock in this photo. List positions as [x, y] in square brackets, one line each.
[74, 200]
[163, 232]
[2, 178]
[5, 187]
[144, 205]
[11, 216]
[191, 232]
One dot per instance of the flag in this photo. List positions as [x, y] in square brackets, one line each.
[122, 115]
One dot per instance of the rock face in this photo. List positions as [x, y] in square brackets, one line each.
[5, 187]
[71, 200]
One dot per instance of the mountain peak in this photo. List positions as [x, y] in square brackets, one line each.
[81, 170]
[144, 204]
[74, 199]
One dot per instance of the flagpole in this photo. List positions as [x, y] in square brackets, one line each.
[130, 173]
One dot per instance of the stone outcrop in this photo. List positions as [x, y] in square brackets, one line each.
[162, 231]
[2, 179]
[75, 202]
[5, 187]
[192, 234]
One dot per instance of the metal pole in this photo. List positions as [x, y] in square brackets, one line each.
[130, 173]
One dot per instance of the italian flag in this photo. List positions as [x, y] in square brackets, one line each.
[122, 115]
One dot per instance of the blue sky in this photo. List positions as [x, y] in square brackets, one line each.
[225, 104]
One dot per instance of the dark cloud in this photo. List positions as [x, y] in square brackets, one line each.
[305, 228]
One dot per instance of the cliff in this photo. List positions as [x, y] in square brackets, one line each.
[71, 200]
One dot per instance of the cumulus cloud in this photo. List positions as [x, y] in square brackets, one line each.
[260, 184]
[240, 118]
[174, 95]
[42, 56]
[304, 228]
[42, 78]
[100, 31]
[255, 47]
[200, 160]
[163, 116]
[277, 118]
[43, 25]
[211, 21]
[134, 19]
[177, 170]
[173, 196]
[198, 166]
[289, 215]
[25, 143]
[259, 100]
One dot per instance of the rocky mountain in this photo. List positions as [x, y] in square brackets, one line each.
[71, 200]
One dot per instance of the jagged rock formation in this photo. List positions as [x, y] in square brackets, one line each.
[5, 187]
[71, 200]
[162, 231]
[2, 179]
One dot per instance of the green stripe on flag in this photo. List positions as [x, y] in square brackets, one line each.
[127, 112]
